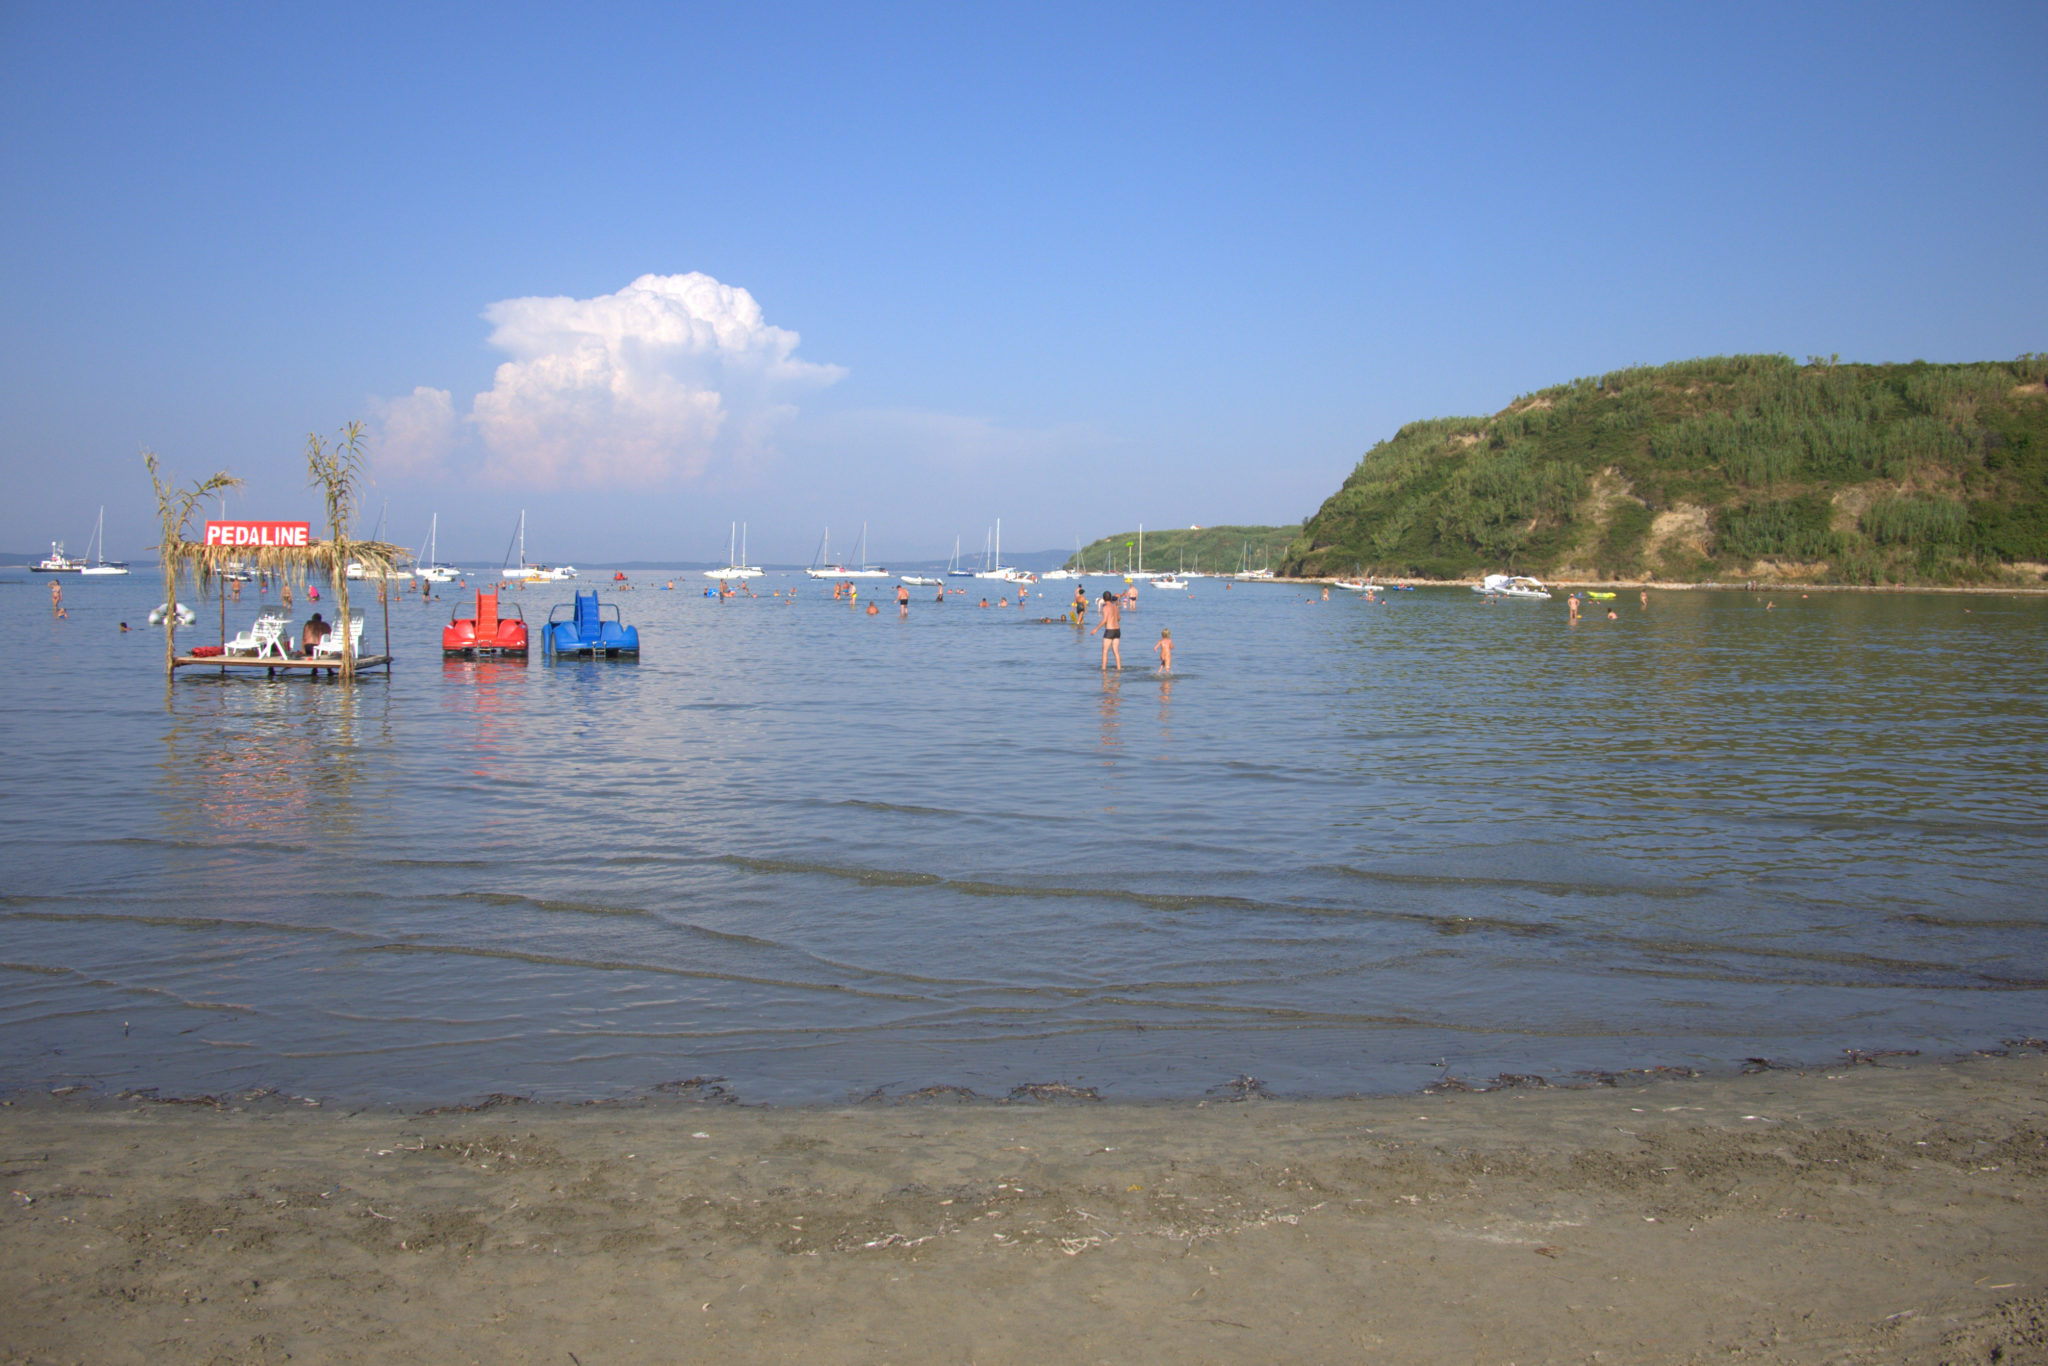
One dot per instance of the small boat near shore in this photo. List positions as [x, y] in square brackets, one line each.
[1512, 586]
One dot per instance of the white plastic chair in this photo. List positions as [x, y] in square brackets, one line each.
[251, 641]
[329, 646]
[267, 637]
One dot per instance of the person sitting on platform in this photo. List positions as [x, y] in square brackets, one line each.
[315, 632]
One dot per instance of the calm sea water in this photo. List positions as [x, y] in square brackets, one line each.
[818, 853]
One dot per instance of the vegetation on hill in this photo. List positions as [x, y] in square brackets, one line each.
[1728, 467]
[1213, 549]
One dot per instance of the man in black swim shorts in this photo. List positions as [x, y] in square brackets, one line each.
[1111, 627]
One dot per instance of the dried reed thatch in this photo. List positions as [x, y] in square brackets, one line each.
[335, 470]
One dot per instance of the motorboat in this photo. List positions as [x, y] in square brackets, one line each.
[57, 562]
[356, 571]
[486, 630]
[1169, 581]
[582, 629]
[735, 568]
[919, 581]
[1512, 586]
[1076, 572]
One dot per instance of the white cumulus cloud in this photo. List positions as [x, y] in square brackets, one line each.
[416, 433]
[641, 388]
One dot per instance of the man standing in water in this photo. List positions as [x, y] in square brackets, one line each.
[1080, 605]
[1111, 627]
[902, 601]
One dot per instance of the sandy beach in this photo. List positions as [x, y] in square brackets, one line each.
[1867, 1213]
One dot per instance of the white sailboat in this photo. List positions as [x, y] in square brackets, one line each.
[1139, 572]
[864, 570]
[431, 569]
[996, 571]
[96, 549]
[532, 573]
[735, 568]
[953, 569]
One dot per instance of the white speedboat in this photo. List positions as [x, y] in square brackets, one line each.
[1169, 581]
[1512, 586]
[919, 581]
[1073, 573]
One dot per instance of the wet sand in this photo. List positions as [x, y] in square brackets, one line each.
[1860, 1214]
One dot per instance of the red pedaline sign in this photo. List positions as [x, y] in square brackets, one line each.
[260, 535]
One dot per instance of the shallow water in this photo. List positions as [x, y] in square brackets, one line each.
[818, 853]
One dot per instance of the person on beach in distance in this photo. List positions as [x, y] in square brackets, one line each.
[1164, 649]
[1111, 627]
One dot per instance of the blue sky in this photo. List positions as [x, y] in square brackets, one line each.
[1074, 267]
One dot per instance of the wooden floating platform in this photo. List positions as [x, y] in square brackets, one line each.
[273, 664]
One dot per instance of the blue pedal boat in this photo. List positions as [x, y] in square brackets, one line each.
[586, 630]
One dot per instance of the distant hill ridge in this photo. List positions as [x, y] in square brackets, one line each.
[1213, 549]
[1730, 466]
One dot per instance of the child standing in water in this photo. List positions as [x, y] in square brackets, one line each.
[1164, 649]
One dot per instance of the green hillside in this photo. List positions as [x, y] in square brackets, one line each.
[1728, 467]
[1216, 549]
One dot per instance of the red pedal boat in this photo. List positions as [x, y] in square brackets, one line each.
[485, 632]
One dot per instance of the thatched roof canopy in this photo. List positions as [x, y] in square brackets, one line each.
[206, 563]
